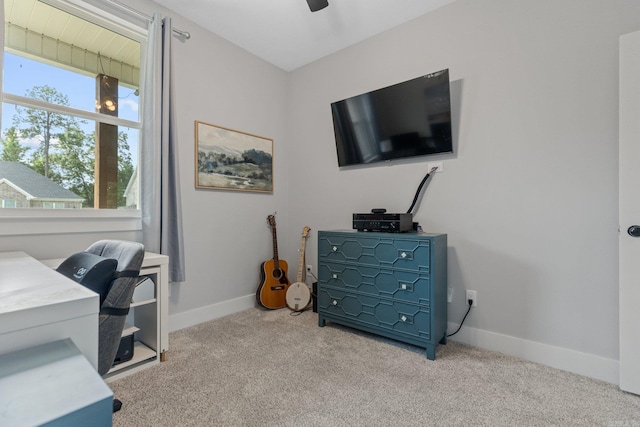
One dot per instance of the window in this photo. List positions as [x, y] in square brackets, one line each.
[53, 205]
[70, 107]
[8, 203]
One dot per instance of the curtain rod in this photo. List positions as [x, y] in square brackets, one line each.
[129, 9]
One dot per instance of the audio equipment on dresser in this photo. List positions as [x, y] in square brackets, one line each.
[274, 283]
[379, 220]
[298, 295]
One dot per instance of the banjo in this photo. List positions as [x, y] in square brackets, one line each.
[298, 295]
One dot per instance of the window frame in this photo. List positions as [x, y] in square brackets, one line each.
[38, 221]
[34, 221]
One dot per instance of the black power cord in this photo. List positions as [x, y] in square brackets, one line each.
[424, 180]
[463, 319]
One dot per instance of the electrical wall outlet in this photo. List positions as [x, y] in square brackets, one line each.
[309, 268]
[449, 294]
[473, 296]
[432, 165]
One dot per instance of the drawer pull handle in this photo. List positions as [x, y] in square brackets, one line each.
[334, 276]
[403, 254]
[334, 302]
[406, 319]
[406, 287]
[335, 248]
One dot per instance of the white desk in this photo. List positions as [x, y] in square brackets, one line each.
[52, 384]
[39, 305]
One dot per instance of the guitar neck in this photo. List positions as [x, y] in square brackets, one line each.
[301, 261]
[275, 247]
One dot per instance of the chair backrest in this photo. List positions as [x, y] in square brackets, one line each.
[115, 307]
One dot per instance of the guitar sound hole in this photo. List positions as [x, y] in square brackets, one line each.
[277, 273]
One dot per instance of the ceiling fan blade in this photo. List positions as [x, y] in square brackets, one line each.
[316, 5]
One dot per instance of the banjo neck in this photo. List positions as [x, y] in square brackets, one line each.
[301, 269]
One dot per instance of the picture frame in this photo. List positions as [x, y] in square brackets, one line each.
[228, 159]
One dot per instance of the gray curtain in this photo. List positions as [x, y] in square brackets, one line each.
[159, 174]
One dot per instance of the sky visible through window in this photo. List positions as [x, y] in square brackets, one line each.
[22, 74]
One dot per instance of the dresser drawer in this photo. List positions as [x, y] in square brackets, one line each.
[391, 251]
[373, 313]
[397, 284]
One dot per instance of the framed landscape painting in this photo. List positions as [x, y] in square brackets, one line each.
[228, 159]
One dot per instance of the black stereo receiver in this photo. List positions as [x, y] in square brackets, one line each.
[379, 220]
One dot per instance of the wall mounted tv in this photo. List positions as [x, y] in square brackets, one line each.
[411, 118]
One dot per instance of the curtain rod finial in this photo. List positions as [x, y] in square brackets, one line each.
[184, 34]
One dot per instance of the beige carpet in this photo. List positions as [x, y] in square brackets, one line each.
[268, 368]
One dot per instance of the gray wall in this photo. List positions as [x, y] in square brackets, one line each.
[529, 199]
[226, 233]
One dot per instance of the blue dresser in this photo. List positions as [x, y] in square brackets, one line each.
[389, 284]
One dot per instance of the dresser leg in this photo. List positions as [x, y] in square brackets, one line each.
[431, 352]
[321, 322]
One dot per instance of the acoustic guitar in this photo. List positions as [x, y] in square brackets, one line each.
[274, 283]
[298, 295]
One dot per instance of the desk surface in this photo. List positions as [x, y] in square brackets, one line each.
[27, 285]
[40, 305]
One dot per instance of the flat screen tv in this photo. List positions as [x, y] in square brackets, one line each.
[411, 118]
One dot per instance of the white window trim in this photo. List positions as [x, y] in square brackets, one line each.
[63, 109]
[33, 221]
[105, 15]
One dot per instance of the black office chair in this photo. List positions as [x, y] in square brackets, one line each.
[115, 294]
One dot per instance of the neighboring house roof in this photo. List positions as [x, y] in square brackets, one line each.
[32, 183]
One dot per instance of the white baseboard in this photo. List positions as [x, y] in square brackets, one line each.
[204, 314]
[589, 365]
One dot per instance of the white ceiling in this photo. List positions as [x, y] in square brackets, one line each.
[287, 34]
